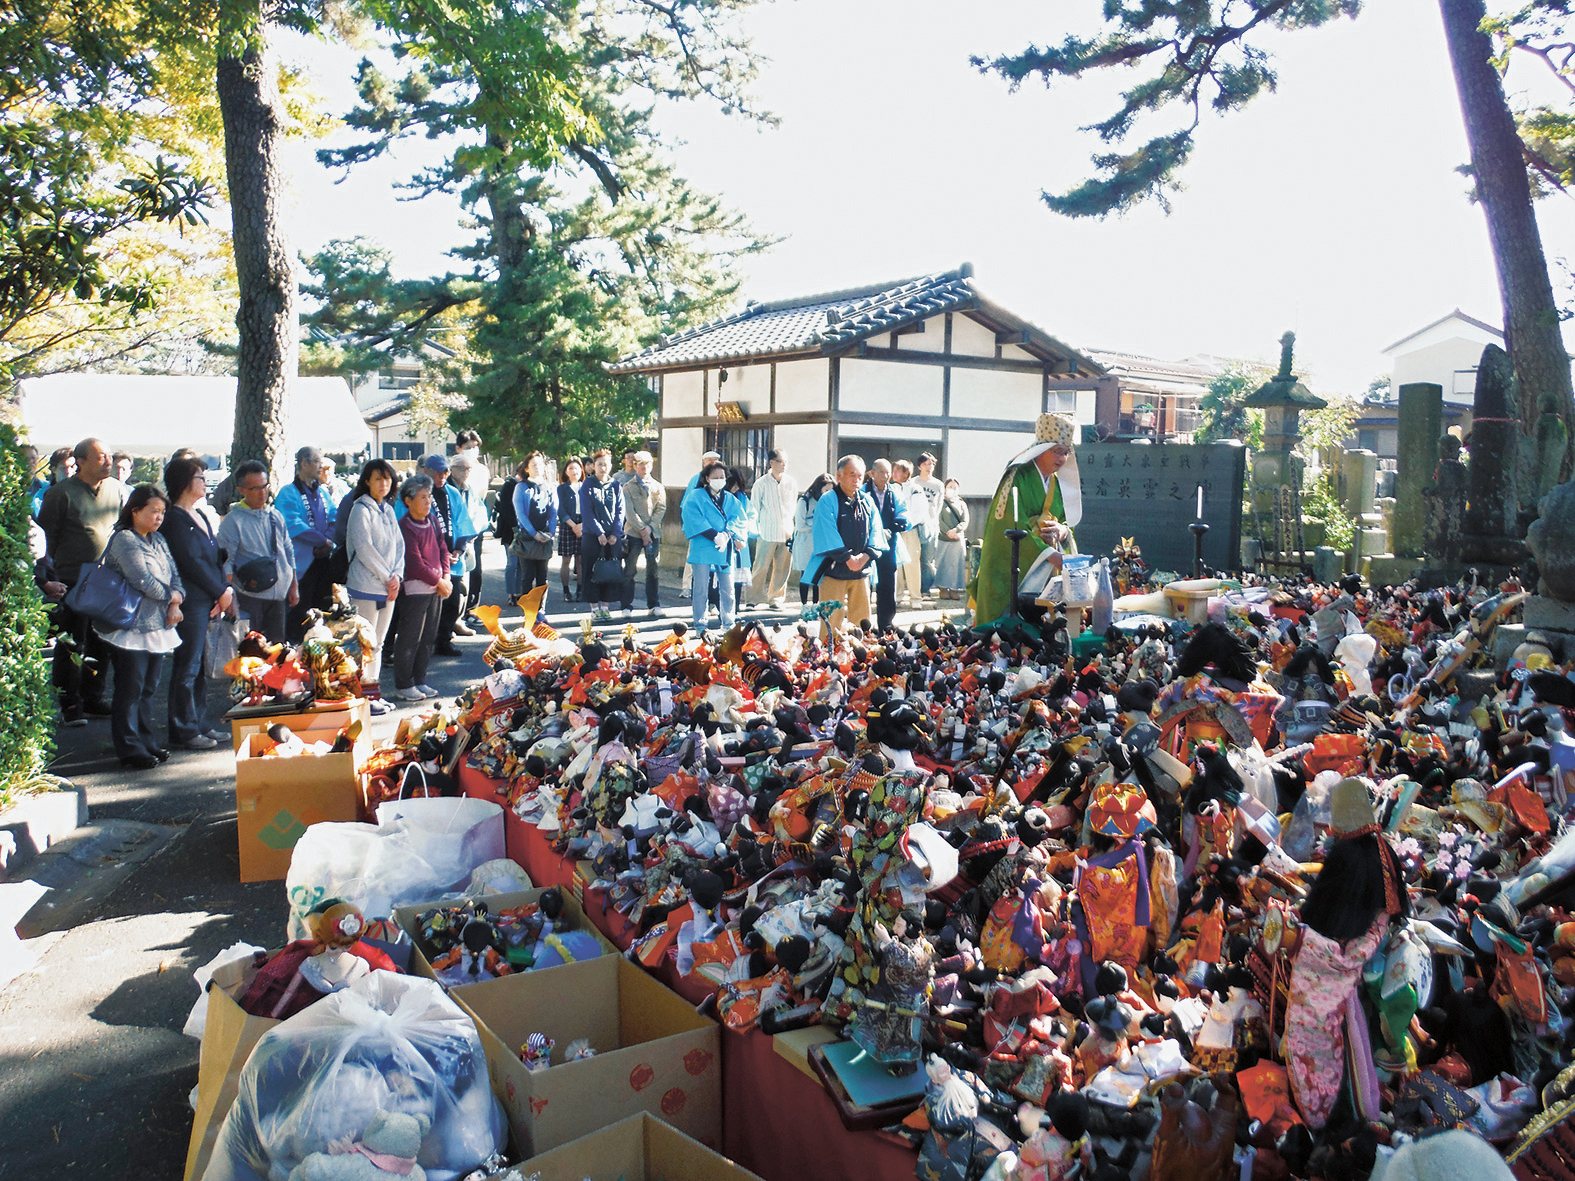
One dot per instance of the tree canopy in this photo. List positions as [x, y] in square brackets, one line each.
[588, 242]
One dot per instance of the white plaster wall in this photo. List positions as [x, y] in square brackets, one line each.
[803, 385]
[1438, 363]
[681, 395]
[681, 450]
[977, 458]
[890, 387]
[748, 385]
[931, 340]
[971, 338]
[1012, 352]
[989, 393]
[805, 444]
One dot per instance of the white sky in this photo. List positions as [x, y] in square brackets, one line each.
[1331, 207]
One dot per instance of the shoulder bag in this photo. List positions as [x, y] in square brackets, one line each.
[259, 574]
[104, 596]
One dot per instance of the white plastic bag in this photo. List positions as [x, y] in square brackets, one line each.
[418, 851]
[197, 1020]
[388, 1043]
[224, 637]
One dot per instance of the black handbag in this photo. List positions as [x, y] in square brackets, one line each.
[607, 570]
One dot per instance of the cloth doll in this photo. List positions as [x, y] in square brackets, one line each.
[1346, 917]
[889, 1021]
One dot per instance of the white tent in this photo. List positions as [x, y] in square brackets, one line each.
[153, 416]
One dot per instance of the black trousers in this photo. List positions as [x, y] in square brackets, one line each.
[533, 573]
[136, 683]
[316, 589]
[633, 547]
[885, 589]
[448, 614]
[473, 599]
[82, 662]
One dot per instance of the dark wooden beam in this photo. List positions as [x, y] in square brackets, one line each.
[1022, 336]
[864, 351]
[935, 421]
[789, 418]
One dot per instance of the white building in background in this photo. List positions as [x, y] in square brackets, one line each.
[384, 401]
[1444, 353]
[886, 371]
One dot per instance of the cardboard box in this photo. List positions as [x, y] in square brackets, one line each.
[654, 1053]
[422, 956]
[227, 1041]
[331, 717]
[639, 1148]
[276, 800]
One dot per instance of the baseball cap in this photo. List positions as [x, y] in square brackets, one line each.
[435, 463]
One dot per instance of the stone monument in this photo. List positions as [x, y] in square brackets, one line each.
[1277, 470]
[1492, 532]
[1443, 531]
[1421, 426]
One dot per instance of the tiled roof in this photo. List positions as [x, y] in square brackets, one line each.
[833, 321]
[381, 410]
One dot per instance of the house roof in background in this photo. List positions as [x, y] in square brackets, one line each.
[833, 322]
[1457, 314]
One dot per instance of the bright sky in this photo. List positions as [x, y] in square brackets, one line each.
[1331, 207]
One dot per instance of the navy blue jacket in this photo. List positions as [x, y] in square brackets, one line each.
[196, 554]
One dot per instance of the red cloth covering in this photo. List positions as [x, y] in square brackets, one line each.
[780, 1123]
[279, 991]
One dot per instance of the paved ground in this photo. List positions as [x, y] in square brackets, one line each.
[94, 1069]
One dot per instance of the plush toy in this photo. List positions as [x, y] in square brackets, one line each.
[387, 1148]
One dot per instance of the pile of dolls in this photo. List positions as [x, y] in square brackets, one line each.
[1285, 888]
[267, 674]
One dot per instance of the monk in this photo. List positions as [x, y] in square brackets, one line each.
[1048, 502]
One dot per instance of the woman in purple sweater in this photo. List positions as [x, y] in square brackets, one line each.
[421, 595]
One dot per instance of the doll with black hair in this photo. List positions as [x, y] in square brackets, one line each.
[1346, 918]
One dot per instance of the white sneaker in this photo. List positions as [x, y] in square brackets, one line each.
[413, 693]
[628, 612]
[201, 742]
[428, 691]
[378, 707]
[461, 628]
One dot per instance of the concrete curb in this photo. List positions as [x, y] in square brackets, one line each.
[36, 822]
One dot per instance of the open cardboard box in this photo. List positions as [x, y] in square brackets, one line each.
[277, 799]
[654, 1053]
[322, 720]
[408, 918]
[639, 1148]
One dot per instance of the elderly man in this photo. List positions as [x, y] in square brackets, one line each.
[772, 499]
[892, 506]
[77, 515]
[845, 546]
[468, 444]
[1039, 492]
[308, 513]
[645, 507]
[929, 532]
[462, 479]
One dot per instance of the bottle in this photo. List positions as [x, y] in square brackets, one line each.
[1104, 599]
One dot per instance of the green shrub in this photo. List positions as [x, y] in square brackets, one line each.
[27, 700]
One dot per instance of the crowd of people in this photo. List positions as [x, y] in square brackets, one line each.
[407, 550]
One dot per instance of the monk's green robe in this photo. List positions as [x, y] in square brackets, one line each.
[991, 589]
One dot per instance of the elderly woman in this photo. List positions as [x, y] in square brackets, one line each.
[190, 536]
[139, 554]
[714, 522]
[375, 545]
[425, 585]
[951, 548]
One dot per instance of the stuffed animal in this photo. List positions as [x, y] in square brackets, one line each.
[387, 1148]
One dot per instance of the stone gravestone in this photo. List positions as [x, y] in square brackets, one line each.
[1149, 492]
[1495, 448]
[1444, 531]
[1359, 478]
[1421, 425]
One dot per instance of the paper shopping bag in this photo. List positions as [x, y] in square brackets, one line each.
[227, 1042]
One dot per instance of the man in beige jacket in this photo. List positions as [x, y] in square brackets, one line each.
[645, 506]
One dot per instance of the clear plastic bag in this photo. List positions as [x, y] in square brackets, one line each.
[418, 851]
[388, 1043]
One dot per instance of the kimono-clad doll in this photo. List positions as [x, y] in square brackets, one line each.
[1113, 886]
[1345, 917]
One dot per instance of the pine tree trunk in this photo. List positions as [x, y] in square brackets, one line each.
[1531, 320]
[269, 350]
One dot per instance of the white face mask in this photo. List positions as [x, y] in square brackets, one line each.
[717, 483]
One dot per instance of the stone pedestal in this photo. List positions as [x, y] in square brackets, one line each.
[1446, 509]
[1552, 539]
[1328, 563]
[1386, 516]
[1421, 424]
[1392, 571]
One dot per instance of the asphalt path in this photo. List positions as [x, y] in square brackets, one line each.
[95, 1073]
